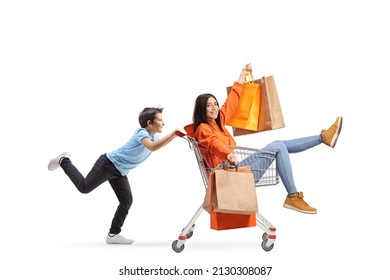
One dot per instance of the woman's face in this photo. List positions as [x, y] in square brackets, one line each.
[212, 109]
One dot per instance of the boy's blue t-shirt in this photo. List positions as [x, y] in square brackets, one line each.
[132, 153]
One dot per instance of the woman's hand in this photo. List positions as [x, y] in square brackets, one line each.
[245, 71]
[232, 158]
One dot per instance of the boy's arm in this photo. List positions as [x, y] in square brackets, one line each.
[154, 146]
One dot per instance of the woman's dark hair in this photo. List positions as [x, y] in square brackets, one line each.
[148, 114]
[200, 111]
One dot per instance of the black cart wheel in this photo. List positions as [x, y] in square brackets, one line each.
[265, 247]
[175, 248]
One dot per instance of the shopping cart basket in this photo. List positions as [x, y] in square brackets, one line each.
[269, 177]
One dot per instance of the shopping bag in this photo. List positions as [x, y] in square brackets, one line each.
[270, 114]
[246, 115]
[234, 192]
[206, 201]
[224, 221]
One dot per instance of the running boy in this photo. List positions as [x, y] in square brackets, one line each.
[114, 167]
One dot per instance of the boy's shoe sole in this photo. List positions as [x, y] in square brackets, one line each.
[54, 163]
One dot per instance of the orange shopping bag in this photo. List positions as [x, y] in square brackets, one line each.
[270, 115]
[246, 115]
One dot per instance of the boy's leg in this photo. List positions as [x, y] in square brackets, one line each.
[100, 172]
[122, 191]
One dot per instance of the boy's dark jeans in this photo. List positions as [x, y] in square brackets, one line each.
[103, 170]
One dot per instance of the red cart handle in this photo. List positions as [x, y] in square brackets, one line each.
[179, 133]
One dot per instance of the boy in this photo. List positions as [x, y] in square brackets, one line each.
[114, 167]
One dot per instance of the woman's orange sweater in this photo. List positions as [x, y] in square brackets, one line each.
[212, 140]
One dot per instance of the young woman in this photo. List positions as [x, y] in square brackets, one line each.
[209, 130]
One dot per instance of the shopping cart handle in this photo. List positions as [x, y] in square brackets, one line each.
[179, 133]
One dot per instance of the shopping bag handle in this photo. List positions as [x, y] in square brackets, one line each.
[227, 163]
[249, 78]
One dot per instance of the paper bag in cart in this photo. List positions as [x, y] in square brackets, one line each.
[230, 214]
[253, 208]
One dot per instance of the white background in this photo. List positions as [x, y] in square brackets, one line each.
[75, 74]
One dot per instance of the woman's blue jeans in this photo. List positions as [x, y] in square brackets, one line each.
[282, 149]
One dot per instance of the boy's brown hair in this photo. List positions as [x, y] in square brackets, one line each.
[148, 114]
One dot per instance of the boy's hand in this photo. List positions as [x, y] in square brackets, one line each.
[179, 133]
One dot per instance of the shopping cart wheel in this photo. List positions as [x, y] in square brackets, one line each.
[175, 248]
[189, 234]
[265, 236]
[265, 247]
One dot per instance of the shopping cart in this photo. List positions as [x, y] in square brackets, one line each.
[269, 177]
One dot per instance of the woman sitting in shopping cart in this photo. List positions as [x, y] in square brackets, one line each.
[209, 130]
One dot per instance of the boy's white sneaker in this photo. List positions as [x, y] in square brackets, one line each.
[55, 162]
[117, 239]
